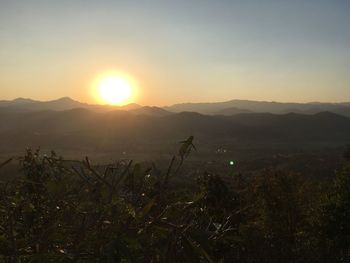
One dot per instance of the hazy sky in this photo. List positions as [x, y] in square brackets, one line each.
[178, 51]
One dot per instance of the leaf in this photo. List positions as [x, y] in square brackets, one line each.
[119, 183]
[118, 250]
[198, 249]
[145, 210]
[217, 226]
[6, 162]
[186, 147]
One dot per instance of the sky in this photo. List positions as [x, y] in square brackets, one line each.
[177, 51]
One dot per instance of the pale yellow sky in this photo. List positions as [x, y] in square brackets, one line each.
[183, 52]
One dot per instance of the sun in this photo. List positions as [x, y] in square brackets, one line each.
[115, 90]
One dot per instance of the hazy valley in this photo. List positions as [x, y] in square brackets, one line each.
[264, 132]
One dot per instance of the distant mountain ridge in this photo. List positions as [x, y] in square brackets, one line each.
[226, 108]
[148, 110]
[61, 104]
[24, 104]
[240, 106]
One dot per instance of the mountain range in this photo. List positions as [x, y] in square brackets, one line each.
[71, 126]
[149, 129]
[226, 108]
[65, 103]
[247, 106]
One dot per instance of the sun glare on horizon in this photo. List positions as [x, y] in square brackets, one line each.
[115, 90]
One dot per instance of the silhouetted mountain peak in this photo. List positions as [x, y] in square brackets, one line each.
[66, 99]
[23, 100]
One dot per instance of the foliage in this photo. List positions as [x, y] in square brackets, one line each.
[69, 211]
[336, 215]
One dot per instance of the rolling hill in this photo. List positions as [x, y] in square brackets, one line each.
[241, 106]
[227, 108]
[86, 130]
[65, 103]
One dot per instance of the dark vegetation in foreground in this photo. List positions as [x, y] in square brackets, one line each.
[76, 212]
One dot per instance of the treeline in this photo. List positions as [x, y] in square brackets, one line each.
[61, 211]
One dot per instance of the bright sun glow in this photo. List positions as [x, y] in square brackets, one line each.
[115, 90]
